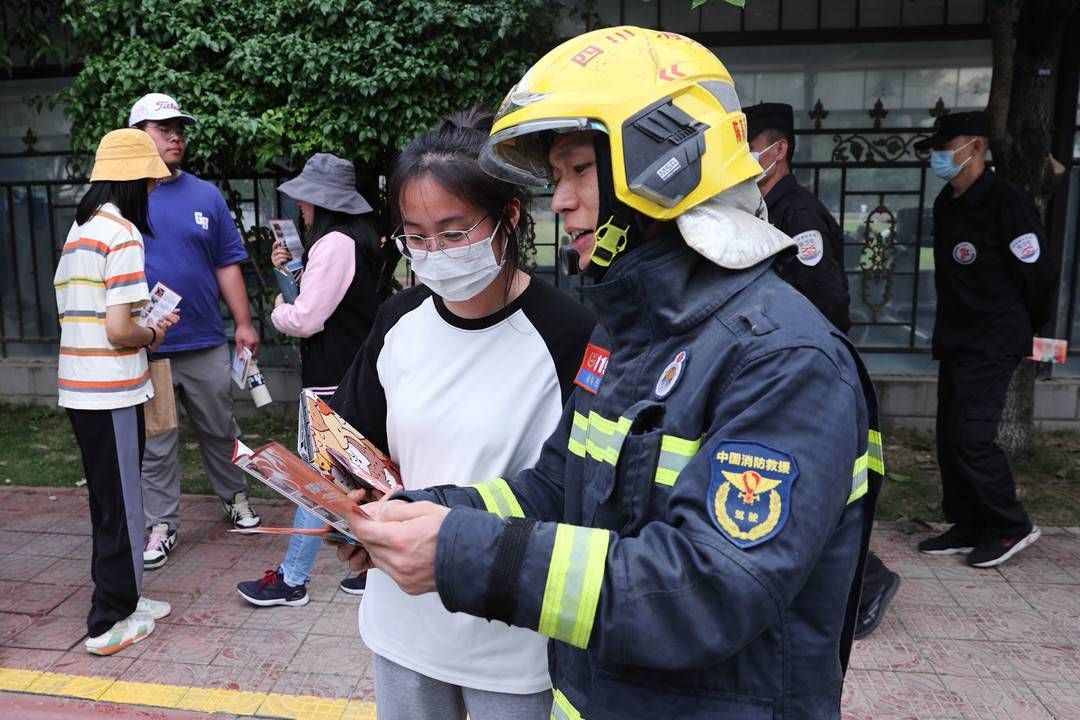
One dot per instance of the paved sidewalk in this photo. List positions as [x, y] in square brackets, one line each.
[958, 644]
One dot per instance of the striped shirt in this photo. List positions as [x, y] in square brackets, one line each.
[101, 265]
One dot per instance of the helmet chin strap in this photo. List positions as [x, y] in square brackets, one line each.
[623, 228]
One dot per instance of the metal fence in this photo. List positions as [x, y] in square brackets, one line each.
[873, 182]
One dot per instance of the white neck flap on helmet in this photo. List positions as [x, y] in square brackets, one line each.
[732, 229]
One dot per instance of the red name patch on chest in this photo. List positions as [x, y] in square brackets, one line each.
[593, 367]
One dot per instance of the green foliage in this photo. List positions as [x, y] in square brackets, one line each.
[32, 34]
[274, 81]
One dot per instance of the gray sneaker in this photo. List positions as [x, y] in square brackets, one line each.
[240, 513]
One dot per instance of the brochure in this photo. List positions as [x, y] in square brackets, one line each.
[1049, 350]
[163, 300]
[241, 366]
[288, 475]
[285, 232]
[338, 451]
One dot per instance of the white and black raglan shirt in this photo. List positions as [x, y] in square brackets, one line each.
[461, 401]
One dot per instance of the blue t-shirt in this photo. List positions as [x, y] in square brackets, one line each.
[192, 235]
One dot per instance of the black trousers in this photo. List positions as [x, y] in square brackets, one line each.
[112, 442]
[977, 484]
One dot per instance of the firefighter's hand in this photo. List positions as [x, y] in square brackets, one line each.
[400, 538]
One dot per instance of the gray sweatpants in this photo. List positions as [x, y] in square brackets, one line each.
[203, 384]
[408, 695]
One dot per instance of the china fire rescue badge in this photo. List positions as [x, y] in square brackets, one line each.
[749, 493]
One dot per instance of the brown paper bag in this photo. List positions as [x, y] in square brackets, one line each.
[160, 410]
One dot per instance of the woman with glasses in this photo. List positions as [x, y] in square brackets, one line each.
[461, 378]
[332, 316]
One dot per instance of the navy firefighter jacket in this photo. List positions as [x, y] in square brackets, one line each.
[691, 535]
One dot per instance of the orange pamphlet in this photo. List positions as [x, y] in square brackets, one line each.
[290, 476]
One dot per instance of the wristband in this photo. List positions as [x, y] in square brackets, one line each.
[153, 336]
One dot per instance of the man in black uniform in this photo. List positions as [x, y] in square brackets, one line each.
[995, 286]
[816, 269]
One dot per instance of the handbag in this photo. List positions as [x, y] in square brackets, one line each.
[160, 411]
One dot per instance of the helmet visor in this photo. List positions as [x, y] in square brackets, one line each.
[518, 154]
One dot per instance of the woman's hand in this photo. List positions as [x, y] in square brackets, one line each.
[280, 254]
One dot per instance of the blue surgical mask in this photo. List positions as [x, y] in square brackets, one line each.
[943, 162]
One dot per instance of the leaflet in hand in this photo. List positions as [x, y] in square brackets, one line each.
[338, 451]
[285, 232]
[241, 366]
[163, 300]
[288, 475]
[288, 280]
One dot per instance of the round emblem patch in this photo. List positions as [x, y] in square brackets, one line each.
[670, 377]
[811, 247]
[964, 253]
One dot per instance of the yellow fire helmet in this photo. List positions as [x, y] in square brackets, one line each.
[667, 104]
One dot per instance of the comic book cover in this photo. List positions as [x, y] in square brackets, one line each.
[338, 451]
[290, 476]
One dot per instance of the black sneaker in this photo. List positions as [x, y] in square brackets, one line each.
[871, 613]
[956, 540]
[354, 585]
[995, 552]
[272, 590]
[158, 546]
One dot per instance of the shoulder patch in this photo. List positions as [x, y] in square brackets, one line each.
[964, 253]
[749, 496]
[811, 247]
[671, 375]
[1026, 247]
[593, 367]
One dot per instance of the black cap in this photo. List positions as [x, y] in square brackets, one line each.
[954, 125]
[769, 116]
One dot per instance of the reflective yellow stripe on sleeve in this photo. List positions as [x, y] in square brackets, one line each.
[575, 576]
[873, 460]
[499, 498]
[561, 709]
[578, 435]
[675, 454]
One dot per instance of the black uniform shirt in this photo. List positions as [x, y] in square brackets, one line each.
[995, 281]
[816, 266]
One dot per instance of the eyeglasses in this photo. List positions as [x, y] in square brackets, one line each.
[453, 243]
[178, 131]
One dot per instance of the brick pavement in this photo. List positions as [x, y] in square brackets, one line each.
[958, 644]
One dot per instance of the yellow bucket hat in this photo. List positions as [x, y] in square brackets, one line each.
[127, 154]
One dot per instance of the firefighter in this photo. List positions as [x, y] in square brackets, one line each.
[691, 534]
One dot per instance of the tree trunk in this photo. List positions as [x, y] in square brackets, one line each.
[1021, 108]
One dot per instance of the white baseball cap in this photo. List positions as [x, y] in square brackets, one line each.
[157, 106]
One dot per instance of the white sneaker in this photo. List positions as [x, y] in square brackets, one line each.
[158, 546]
[126, 632]
[154, 609]
[240, 513]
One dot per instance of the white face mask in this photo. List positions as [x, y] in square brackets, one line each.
[756, 154]
[459, 278]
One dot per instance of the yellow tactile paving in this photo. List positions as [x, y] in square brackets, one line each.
[80, 686]
[213, 700]
[359, 710]
[136, 693]
[302, 707]
[17, 680]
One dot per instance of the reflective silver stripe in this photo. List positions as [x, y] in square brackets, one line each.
[578, 435]
[675, 454]
[561, 709]
[605, 437]
[575, 576]
[873, 460]
[499, 498]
